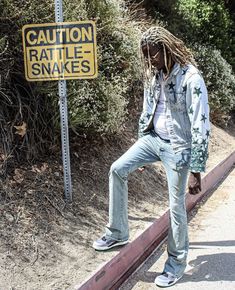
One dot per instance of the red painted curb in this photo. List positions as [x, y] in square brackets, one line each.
[116, 271]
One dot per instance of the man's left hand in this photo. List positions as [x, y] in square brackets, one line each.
[194, 183]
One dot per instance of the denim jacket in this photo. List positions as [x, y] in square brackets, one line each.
[187, 113]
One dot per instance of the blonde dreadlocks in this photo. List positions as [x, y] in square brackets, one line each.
[173, 49]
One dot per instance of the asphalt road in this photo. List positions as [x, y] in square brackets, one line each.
[211, 260]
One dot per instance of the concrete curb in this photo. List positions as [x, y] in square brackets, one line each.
[120, 267]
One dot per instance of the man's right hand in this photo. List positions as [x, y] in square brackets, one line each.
[194, 183]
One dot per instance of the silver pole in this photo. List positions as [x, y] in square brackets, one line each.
[64, 119]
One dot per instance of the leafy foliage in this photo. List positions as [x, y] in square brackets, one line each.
[207, 22]
[220, 82]
[98, 105]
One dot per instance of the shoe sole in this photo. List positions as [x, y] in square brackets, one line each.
[121, 243]
[169, 285]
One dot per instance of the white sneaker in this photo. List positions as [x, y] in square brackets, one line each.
[104, 244]
[166, 279]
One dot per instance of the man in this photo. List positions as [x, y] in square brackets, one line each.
[174, 128]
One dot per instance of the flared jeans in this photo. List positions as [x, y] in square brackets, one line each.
[148, 149]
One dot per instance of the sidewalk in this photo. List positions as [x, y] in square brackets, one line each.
[211, 260]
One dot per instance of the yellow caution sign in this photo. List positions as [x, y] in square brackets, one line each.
[60, 51]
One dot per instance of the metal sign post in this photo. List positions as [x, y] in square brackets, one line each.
[64, 119]
[61, 51]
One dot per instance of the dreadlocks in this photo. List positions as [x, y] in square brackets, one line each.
[173, 49]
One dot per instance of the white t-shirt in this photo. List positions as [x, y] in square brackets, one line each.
[159, 120]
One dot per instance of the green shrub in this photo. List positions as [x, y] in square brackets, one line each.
[220, 82]
[208, 23]
[100, 105]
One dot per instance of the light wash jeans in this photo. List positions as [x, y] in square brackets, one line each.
[149, 149]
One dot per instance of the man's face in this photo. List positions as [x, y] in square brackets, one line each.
[154, 53]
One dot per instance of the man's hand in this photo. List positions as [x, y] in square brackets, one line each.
[194, 183]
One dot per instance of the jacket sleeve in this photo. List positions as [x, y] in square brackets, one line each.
[198, 112]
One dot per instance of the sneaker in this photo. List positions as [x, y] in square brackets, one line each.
[166, 279]
[104, 244]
